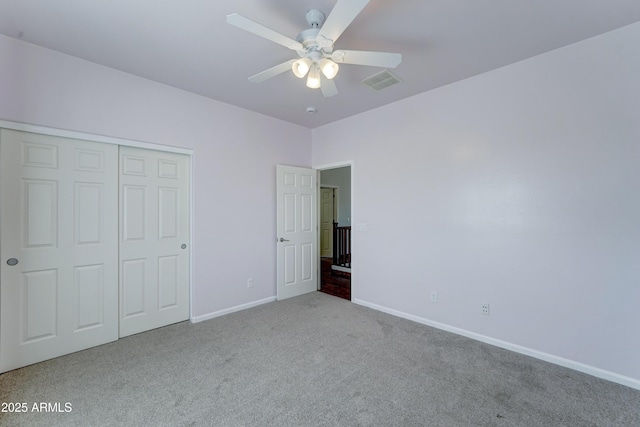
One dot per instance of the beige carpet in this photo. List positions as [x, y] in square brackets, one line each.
[314, 360]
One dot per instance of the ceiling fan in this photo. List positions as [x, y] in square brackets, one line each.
[318, 61]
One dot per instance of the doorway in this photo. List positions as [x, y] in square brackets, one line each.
[335, 230]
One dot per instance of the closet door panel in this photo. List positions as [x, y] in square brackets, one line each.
[154, 239]
[59, 246]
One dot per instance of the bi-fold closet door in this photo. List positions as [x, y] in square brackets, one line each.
[94, 244]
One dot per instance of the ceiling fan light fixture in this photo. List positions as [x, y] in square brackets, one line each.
[317, 59]
[329, 68]
[313, 79]
[301, 67]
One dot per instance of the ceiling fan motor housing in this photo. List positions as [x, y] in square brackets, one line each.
[309, 40]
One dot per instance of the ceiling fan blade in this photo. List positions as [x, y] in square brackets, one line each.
[361, 57]
[262, 31]
[328, 87]
[343, 13]
[271, 72]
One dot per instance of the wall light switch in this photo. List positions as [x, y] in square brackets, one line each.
[361, 227]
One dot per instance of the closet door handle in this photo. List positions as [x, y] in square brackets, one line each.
[12, 261]
[283, 239]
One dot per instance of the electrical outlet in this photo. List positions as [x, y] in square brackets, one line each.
[485, 309]
[434, 297]
[249, 283]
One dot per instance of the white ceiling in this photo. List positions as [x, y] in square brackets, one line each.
[187, 44]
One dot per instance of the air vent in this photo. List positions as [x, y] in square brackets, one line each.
[382, 80]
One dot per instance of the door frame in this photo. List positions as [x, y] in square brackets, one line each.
[328, 166]
[128, 143]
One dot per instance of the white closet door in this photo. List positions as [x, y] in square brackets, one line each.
[59, 246]
[154, 239]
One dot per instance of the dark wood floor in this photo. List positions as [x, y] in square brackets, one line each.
[336, 283]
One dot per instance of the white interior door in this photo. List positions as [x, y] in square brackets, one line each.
[154, 239]
[59, 247]
[297, 228]
[327, 216]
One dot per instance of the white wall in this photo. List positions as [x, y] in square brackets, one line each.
[519, 187]
[235, 156]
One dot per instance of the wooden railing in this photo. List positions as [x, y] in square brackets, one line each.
[341, 245]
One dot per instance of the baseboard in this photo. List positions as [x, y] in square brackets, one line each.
[567, 363]
[196, 319]
[343, 269]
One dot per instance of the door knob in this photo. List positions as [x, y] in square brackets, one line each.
[12, 261]
[283, 240]
[183, 246]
